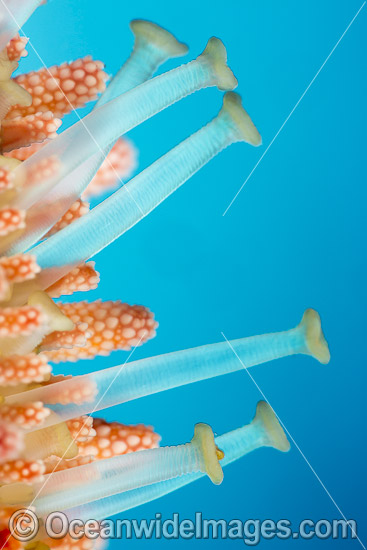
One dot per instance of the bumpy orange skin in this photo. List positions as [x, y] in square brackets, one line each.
[77, 391]
[6, 179]
[54, 464]
[11, 441]
[22, 131]
[16, 48]
[108, 439]
[118, 165]
[81, 428]
[109, 326]
[76, 210]
[26, 416]
[20, 268]
[79, 279]
[25, 369]
[20, 320]
[114, 439]
[60, 89]
[27, 471]
[23, 153]
[11, 219]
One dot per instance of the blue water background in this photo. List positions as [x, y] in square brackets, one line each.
[294, 238]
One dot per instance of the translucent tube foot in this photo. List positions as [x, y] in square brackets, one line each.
[274, 432]
[215, 54]
[204, 440]
[154, 34]
[247, 131]
[314, 336]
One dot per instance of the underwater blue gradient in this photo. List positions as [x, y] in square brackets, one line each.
[294, 238]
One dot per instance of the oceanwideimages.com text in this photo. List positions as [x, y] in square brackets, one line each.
[24, 525]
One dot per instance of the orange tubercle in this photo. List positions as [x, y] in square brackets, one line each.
[80, 279]
[26, 416]
[22, 131]
[22, 320]
[16, 369]
[10, 220]
[11, 441]
[81, 428]
[110, 326]
[6, 179]
[77, 391]
[28, 471]
[15, 48]
[109, 439]
[114, 439]
[43, 169]
[19, 268]
[119, 164]
[23, 153]
[55, 464]
[60, 89]
[76, 210]
[5, 290]
[75, 338]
